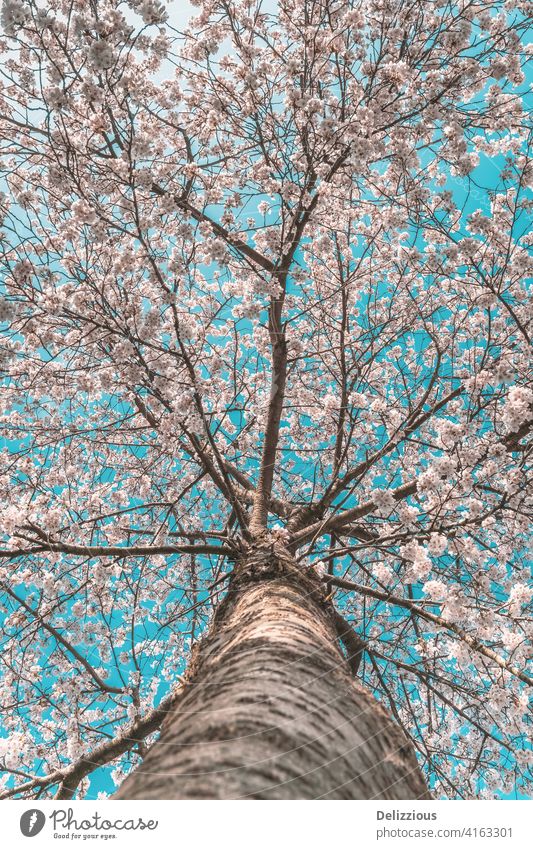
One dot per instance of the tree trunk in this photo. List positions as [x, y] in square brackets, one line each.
[270, 709]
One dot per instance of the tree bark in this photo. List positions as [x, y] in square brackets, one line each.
[270, 709]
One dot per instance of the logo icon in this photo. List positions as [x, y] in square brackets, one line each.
[32, 822]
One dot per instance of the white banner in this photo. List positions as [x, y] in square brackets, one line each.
[252, 825]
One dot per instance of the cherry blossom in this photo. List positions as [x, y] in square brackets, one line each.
[265, 278]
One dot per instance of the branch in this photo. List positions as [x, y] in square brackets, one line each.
[70, 777]
[116, 550]
[313, 510]
[337, 521]
[351, 641]
[512, 441]
[473, 642]
[278, 341]
[231, 241]
[424, 676]
[268, 457]
[65, 643]
[281, 508]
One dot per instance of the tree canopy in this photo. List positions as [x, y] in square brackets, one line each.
[264, 278]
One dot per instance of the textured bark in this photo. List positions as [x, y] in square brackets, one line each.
[271, 710]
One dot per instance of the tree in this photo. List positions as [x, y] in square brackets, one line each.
[265, 375]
